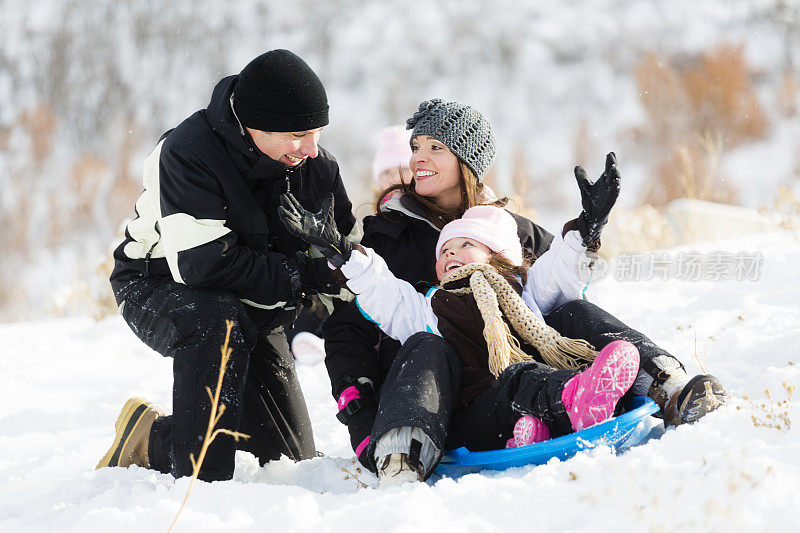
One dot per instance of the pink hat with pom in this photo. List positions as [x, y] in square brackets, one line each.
[394, 151]
[491, 226]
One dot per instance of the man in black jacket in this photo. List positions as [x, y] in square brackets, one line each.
[206, 246]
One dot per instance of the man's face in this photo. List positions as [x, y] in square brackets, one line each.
[289, 148]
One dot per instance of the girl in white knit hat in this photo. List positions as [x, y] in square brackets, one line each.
[516, 370]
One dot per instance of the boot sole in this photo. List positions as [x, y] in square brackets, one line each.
[529, 431]
[612, 381]
[704, 393]
[132, 413]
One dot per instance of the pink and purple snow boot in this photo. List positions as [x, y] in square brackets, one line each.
[528, 430]
[591, 396]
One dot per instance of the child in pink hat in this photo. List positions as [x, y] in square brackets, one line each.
[390, 164]
[489, 306]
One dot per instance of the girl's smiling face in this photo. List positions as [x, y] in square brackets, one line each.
[460, 251]
[437, 172]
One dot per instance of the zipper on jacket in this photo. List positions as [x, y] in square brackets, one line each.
[150, 252]
[147, 260]
[287, 186]
[279, 189]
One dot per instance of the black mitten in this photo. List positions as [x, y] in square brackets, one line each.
[597, 199]
[317, 229]
[310, 275]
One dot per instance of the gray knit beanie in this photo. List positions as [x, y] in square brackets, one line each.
[461, 128]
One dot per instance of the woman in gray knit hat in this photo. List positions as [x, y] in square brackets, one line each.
[441, 130]
[397, 401]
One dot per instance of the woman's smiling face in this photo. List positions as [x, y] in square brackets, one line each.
[436, 171]
[458, 252]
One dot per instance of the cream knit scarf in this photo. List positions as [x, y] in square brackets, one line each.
[490, 289]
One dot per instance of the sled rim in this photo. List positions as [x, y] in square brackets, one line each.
[612, 432]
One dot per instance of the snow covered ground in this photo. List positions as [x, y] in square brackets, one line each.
[63, 382]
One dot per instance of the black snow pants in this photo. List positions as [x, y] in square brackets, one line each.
[580, 319]
[420, 389]
[534, 389]
[260, 390]
[527, 388]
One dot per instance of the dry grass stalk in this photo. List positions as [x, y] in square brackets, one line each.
[789, 95]
[642, 229]
[722, 96]
[773, 414]
[40, 124]
[103, 303]
[88, 293]
[522, 186]
[217, 409]
[520, 179]
[15, 222]
[74, 207]
[125, 179]
[696, 108]
[696, 356]
[787, 205]
[86, 177]
[77, 192]
[15, 252]
[354, 475]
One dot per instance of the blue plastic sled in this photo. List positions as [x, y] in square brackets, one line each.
[619, 432]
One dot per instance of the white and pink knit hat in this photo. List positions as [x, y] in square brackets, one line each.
[491, 226]
[394, 151]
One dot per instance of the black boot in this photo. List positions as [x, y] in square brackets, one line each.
[683, 400]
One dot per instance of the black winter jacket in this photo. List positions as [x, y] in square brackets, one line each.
[208, 217]
[402, 236]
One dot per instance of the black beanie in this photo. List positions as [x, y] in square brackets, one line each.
[278, 91]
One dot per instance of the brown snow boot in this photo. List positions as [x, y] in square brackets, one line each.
[131, 443]
[683, 400]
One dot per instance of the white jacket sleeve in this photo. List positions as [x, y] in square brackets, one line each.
[554, 279]
[393, 304]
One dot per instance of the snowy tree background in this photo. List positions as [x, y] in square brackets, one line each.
[86, 88]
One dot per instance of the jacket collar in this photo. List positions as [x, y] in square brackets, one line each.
[223, 120]
[409, 207]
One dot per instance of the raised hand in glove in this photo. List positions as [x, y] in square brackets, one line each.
[317, 229]
[597, 198]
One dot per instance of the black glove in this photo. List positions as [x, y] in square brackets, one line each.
[317, 229]
[310, 275]
[597, 198]
[358, 414]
